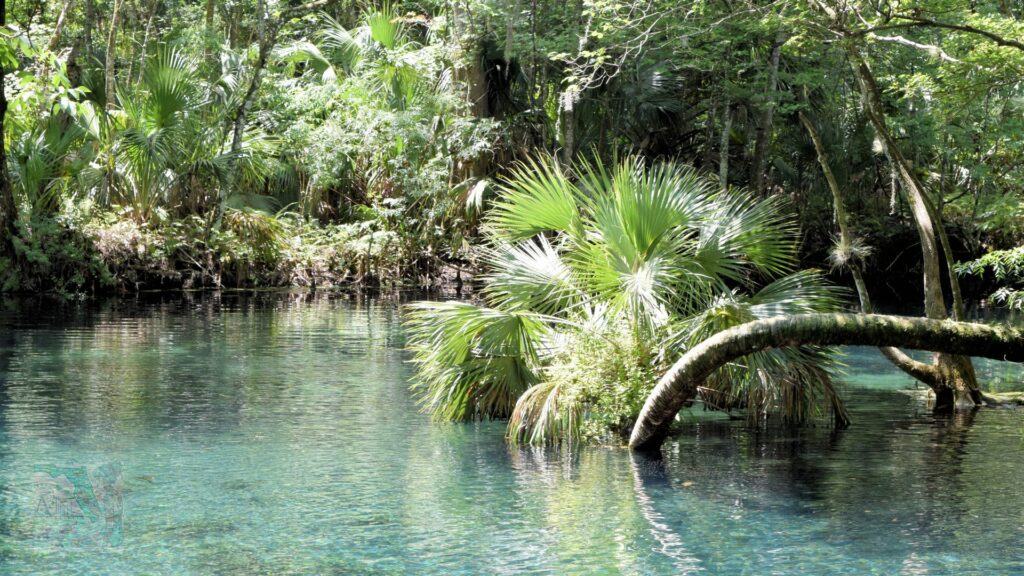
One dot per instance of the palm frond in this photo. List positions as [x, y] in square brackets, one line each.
[803, 292]
[537, 197]
[530, 275]
[644, 219]
[385, 27]
[305, 52]
[346, 51]
[742, 232]
[473, 362]
[543, 414]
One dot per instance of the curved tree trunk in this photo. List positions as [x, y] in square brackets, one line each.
[925, 373]
[680, 383]
[58, 28]
[957, 374]
[266, 36]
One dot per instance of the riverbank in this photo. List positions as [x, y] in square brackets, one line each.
[85, 252]
[78, 254]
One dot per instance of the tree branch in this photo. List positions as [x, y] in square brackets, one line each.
[916, 21]
[930, 48]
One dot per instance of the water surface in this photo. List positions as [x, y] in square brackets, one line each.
[274, 434]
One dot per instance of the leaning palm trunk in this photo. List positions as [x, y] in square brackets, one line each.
[681, 382]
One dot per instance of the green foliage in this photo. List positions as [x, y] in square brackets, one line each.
[262, 233]
[359, 127]
[51, 252]
[592, 389]
[473, 362]
[390, 122]
[382, 126]
[168, 142]
[1008, 268]
[81, 250]
[611, 266]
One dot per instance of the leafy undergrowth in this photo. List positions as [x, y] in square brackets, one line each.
[1007, 267]
[77, 253]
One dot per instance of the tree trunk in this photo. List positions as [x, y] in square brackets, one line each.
[108, 70]
[58, 28]
[8, 208]
[918, 370]
[723, 148]
[935, 306]
[145, 39]
[707, 154]
[510, 34]
[207, 51]
[958, 373]
[959, 310]
[233, 32]
[51, 46]
[90, 22]
[266, 32]
[764, 125]
[680, 383]
[568, 129]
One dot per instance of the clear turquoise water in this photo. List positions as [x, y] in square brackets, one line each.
[274, 435]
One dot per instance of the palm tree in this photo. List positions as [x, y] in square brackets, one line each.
[45, 158]
[165, 146]
[379, 49]
[53, 129]
[650, 260]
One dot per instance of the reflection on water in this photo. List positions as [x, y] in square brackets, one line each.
[274, 434]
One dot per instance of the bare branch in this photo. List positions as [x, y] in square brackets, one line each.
[929, 48]
[915, 21]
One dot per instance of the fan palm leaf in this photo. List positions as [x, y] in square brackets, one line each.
[537, 197]
[530, 275]
[473, 361]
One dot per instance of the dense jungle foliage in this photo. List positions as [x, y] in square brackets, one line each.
[619, 178]
[161, 143]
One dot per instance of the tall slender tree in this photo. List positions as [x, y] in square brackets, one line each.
[109, 84]
[8, 207]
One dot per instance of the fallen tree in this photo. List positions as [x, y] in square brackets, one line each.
[680, 383]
